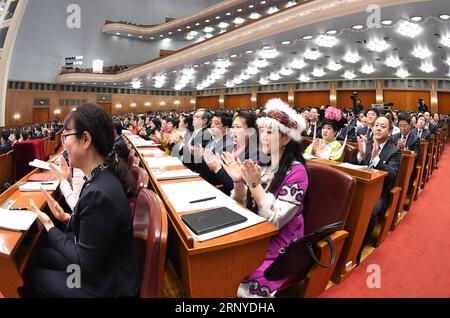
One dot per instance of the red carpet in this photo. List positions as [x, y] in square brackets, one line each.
[414, 259]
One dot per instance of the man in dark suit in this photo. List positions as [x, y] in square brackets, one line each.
[314, 124]
[120, 147]
[199, 139]
[428, 125]
[220, 143]
[5, 144]
[421, 106]
[371, 115]
[382, 154]
[420, 130]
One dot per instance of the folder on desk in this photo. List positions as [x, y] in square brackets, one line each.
[175, 174]
[36, 186]
[41, 177]
[212, 220]
[16, 220]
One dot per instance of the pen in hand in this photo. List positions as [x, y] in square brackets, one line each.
[18, 209]
[201, 200]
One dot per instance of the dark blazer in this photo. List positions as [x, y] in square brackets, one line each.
[349, 131]
[200, 139]
[311, 133]
[432, 128]
[412, 143]
[6, 147]
[390, 158]
[223, 145]
[426, 134]
[103, 245]
[121, 149]
[363, 131]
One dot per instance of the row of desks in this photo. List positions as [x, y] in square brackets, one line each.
[215, 268]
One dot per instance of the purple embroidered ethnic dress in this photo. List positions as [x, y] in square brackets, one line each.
[284, 210]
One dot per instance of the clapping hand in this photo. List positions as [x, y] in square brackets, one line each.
[213, 161]
[56, 209]
[232, 167]
[251, 172]
[362, 145]
[375, 151]
[44, 218]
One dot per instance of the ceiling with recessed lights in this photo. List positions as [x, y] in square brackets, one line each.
[411, 40]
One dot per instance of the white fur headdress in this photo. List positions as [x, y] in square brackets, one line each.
[279, 115]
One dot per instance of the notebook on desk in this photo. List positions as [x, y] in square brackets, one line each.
[212, 220]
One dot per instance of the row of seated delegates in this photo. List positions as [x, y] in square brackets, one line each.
[98, 235]
[328, 147]
[9, 137]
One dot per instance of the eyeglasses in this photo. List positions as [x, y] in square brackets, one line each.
[64, 136]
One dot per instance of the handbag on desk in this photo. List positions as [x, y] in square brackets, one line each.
[299, 256]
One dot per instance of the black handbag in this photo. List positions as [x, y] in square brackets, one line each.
[298, 256]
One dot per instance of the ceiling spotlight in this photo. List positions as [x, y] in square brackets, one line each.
[251, 6]
[286, 42]
[377, 45]
[208, 35]
[117, 33]
[261, 63]
[237, 81]
[448, 60]
[393, 61]
[332, 32]
[318, 72]
[249, 52]
[252, 70]
[238, 20]
[446, 41]
[268, 53]
[409, 29]
[285, 71]
[239, 10]
[307, 37]
[245, 76]
[326, 40]
[444, 17]
[358, 27]
[229, 84]
[218, 17]
[350, 57]
[421, 53]
[402, 73]
[272, 10]
[233, 55]
[228, 13]
[208, 29]
[312, 55]
[263, 81]
[254, 16]
[427, 67]
[223, 25]
[304, 78]
[349, 75]
[274, 76]
[136, 83]
[290, 4]
[416, 19]
[333, 66]
[386, 22]
[367, 69]
[129, 34]
[298, 64]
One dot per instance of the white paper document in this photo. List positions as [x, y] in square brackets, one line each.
[149, 152]
[352, 166]
[163, 162]
[36, 186]
[143, 143]
[252, 219]
[183, 194]
[174, 174]
[40, 164]
[16, 220]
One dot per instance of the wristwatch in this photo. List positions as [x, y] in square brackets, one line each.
[254, 184]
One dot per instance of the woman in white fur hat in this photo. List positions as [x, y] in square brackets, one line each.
[276, 190]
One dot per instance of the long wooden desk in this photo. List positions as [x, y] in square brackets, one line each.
[369, 184]
[213, 268]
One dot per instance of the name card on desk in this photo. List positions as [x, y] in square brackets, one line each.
[16, 220]
[163, 162]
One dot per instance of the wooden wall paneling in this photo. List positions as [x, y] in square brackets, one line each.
[368, 97]
[209, 102]
[406, 99]
[444, 102]
[264, 97]
[311, 98]
[41, 114]
[242, 101]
